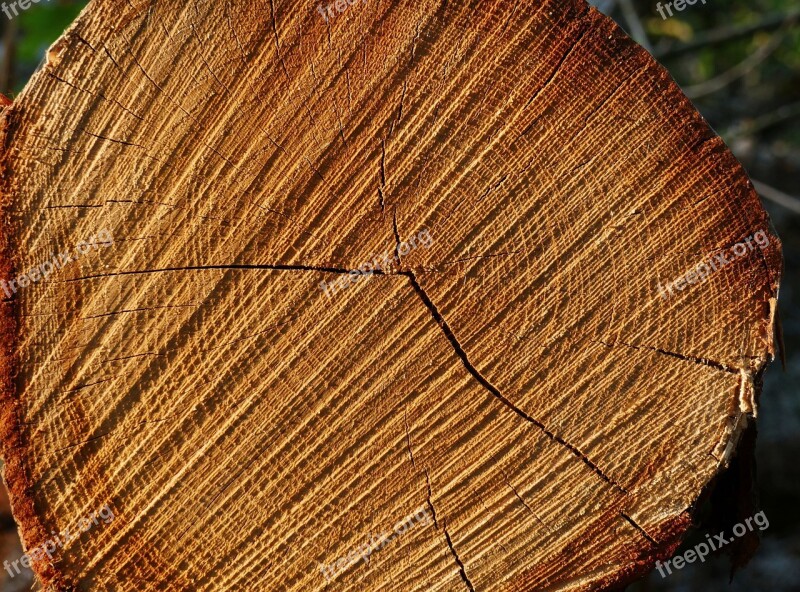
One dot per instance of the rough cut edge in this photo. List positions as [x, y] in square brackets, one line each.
[13, 441]
[670, 534]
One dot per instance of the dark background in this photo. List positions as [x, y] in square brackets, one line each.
[739, 61]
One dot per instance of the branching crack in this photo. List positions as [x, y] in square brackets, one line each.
[461, 569]
[448, 332]
[701, 361]
[492, 389]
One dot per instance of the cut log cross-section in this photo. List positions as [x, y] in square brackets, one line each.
[368, 296]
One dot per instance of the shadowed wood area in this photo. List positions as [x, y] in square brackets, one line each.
[554, 347]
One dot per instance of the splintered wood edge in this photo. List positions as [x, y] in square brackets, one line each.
[13, 441]
[16, 472]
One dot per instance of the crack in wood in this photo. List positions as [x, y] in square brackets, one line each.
[697, 360]
[461, 569]
[633, 523]
[448, 332]
[524, 503]
[428, 500]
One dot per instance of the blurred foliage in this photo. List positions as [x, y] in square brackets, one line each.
[25, 39]
[775, 80]
[39, 26]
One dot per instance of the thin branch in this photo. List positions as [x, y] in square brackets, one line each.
[739, 70]
[766, 121]
[728, 33]
[776, 196]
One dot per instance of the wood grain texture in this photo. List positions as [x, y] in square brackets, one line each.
[520, 379]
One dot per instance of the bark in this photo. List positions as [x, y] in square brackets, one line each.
[518, 372]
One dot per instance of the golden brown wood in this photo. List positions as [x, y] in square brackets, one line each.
[515, 381]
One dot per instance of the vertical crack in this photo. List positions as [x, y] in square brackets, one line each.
[405, 84]
[461, 569]
[408, 441]
[396, 237]
[382, 182]
[492, 389]
[277, 40]
[430, 503]
[383, 162]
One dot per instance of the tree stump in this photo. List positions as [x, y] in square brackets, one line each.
[368, 296]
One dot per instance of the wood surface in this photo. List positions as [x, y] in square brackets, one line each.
[515, 379]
